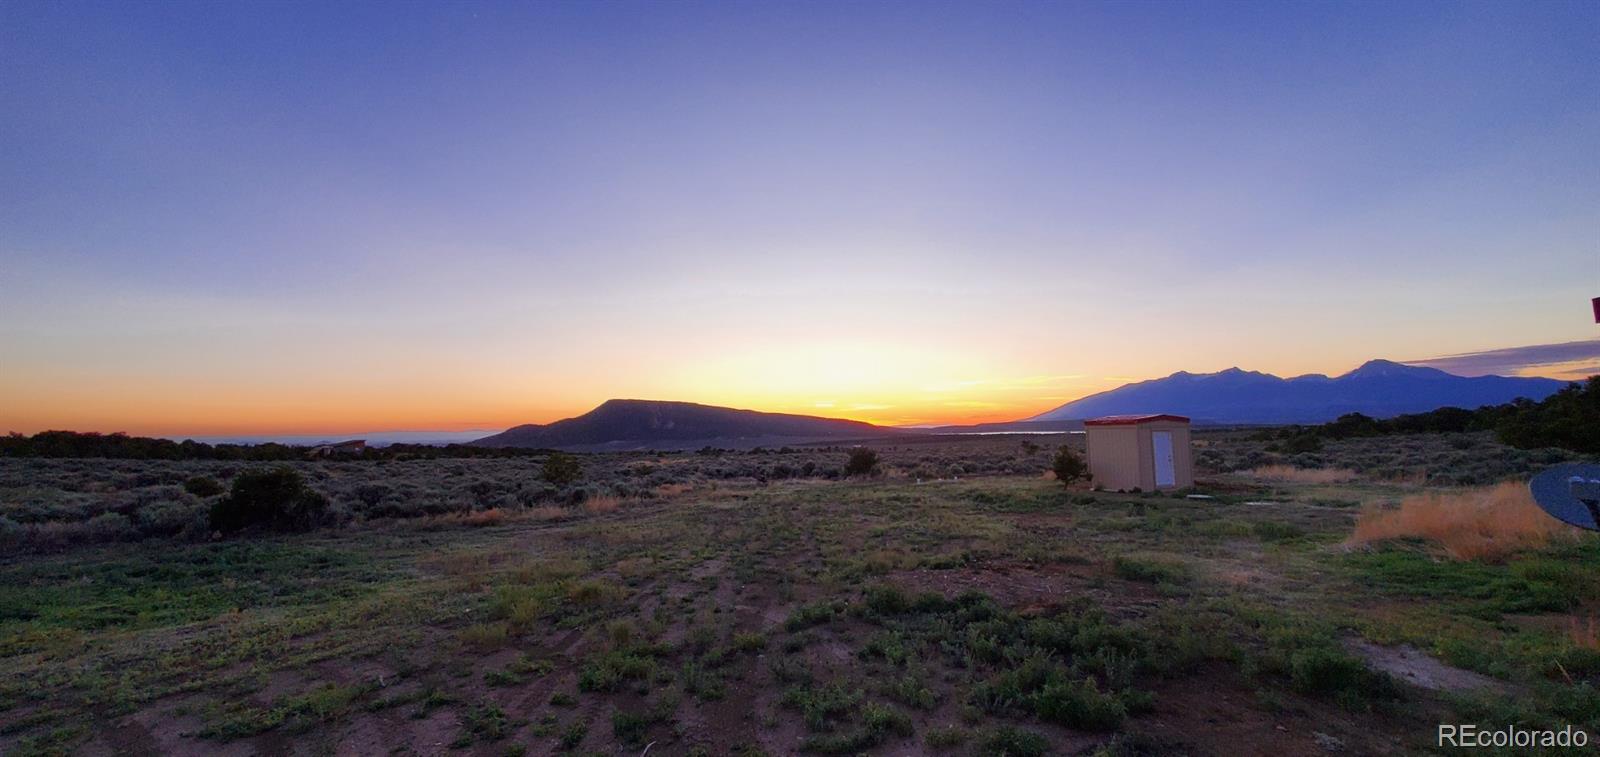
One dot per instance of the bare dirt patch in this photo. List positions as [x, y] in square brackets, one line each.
[1421, 670]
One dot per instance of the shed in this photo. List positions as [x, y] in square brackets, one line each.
[1148, 452]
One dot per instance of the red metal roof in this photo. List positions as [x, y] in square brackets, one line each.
[1128, 420]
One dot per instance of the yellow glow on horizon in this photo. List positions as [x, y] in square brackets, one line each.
[851, 380]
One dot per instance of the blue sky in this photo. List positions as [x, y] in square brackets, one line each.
[223, 217]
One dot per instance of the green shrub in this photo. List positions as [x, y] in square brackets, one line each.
[485, 722]
[910, 689]
[704, 684]
[202, 486]
[944, 737]
[1326, 671]
[573, 736]
[607, 671]
[276, 500]
[1069, 467]
[862, 462]
[806, 616]
[173, 518]
[790, 670]
[1269, 530]
[887, 600]
[561, 469]
[878, 723]
[1079, 704]
[110, 527]
[749, 642]
[888, 645]
[1007, 741]
[630, 727]
[821, 705]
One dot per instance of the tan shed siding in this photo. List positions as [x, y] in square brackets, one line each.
[1183, 455]
[1114, 455]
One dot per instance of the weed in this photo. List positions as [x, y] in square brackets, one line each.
[1149, 571]
[483, 722]
[574, 735]
[821, 705]
[806, 616]
[945, 737]
[749, 642]
[609, 670]
[1006, 741]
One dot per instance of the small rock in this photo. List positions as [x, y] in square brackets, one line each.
[1328, 743]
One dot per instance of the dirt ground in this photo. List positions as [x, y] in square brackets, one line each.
[996, 615]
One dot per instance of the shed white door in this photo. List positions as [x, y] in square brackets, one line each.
[1161, 445]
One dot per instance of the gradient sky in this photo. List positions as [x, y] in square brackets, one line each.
[308, 217]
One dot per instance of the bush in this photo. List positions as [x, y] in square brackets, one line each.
[862, 462]
[1068, 467]
[276, 499]
[1079, 704]
[202, 486]
[561, 469]
[110, 527]
[806, 616]
[1007, 741]
[170, 518]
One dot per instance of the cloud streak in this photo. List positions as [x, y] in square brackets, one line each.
[1565, 360]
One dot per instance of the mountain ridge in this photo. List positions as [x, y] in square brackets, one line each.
[618, 424]
[1378, 388]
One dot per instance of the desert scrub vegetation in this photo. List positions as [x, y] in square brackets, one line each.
[1437, 459]
[52, 503]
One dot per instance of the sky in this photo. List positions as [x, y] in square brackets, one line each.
[296, 217]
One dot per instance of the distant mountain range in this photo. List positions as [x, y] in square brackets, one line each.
[653, 424]
[1379, 388]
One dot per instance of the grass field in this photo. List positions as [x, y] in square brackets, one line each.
[994, 614]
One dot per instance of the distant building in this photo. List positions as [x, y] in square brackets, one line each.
[352, 447]
[1147, 452]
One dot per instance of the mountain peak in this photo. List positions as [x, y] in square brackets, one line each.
[1388, 368]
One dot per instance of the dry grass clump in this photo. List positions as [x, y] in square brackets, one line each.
[549, 512]
[672, 490]
[602, 504]
[1292, 475]
[1485, 524]
[491, 517]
